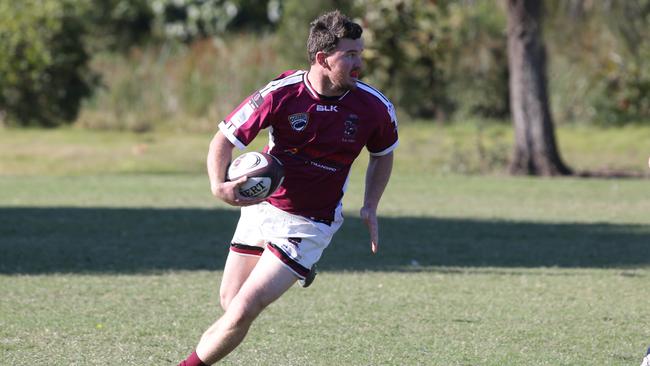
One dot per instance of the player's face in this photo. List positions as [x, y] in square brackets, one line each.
[345, 64]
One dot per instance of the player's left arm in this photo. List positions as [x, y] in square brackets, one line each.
[377, 176]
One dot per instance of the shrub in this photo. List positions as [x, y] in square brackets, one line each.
[44, 71]
[600, 63]
[189, 20]
[476, 58]
[405, 44]
[118, 24]
[179, 86]
[438, 58]
[626, 85]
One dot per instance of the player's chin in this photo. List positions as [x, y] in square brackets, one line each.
[346, 86]
[352, 84]
[345, 83]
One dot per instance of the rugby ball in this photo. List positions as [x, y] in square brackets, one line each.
[264, 171]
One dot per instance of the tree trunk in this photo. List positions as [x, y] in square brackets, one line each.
[535, 150]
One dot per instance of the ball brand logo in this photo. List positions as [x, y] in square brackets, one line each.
[299, 121]
[236, 163]
[255, 190]
[326, 108]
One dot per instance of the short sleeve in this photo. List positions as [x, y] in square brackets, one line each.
[384, 140]
[247, 120]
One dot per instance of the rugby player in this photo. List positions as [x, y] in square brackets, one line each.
[318, 121]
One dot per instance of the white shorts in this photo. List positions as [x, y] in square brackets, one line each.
[296, 240]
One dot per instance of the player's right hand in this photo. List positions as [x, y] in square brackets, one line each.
[369, 216]
[229, 193]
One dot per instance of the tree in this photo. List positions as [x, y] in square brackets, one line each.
[535, 152]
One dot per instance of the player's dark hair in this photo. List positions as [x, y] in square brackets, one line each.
[326, 31]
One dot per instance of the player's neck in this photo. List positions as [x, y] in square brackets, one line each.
[322, 85]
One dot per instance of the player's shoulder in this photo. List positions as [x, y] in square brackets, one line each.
[287, 79]
[374, 96]
[372, 93]
[290, 74]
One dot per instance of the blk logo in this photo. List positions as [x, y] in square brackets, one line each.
[326, 108]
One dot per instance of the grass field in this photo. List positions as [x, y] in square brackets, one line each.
[111, 251]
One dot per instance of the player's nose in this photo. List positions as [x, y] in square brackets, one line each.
[358, 64]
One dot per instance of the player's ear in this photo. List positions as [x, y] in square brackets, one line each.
[321, 59]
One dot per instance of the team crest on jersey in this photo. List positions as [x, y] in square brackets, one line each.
[350, 128]
[299, 121]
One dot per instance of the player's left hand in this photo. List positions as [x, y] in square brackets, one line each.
[229, 192]
[369, 216]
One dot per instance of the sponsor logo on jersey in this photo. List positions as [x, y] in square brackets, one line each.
[295, 241]
[322, 166]
[350, 128]
[299, 121]
[256, 100]
[290, 250]
[326, 108]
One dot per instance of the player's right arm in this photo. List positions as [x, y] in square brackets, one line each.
[219, 156]
[238, 129]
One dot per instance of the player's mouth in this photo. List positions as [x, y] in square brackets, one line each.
[355, 74]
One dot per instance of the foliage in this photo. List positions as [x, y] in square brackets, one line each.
[405, 44]
[477, 60]
[293, 29]
[189, 87]
[118, 24]
[44, 71]
[189, 20]
[434, 59]
[600, 60]
[438, 58]
[626, 83]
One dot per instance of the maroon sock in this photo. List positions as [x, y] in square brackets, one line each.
[192, 360]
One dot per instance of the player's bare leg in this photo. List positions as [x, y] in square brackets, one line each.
[237, 269]
[267, 282]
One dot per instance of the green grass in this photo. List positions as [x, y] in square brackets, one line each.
[472, 147]
[104, 262]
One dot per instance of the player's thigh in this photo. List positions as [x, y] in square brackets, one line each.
[267, 282]
[237, 269]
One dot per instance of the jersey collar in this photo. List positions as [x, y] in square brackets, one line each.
[317, 95]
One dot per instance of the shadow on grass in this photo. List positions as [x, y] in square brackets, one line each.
[106, 240]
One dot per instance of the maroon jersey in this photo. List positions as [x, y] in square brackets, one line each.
[315, 137]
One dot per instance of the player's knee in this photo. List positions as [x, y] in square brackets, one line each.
[225, 299]
[226, 295]
[244, 312]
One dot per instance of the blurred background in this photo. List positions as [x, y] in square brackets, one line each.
[183, 65]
